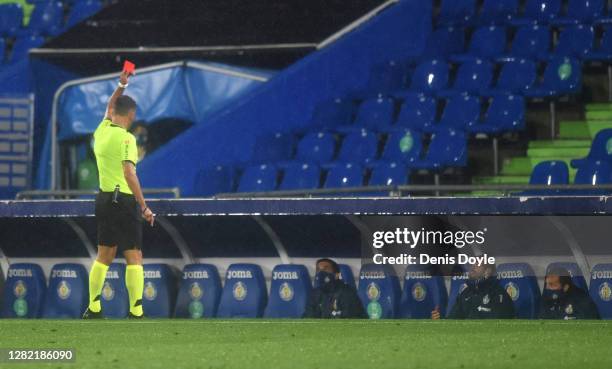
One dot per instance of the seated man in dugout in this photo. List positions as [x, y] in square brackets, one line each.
[562, 299]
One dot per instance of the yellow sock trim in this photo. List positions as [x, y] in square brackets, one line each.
[97, 275]
[134, 281]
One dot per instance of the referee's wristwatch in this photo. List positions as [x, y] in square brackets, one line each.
[123, 85]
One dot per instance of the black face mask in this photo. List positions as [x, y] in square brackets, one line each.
[553, 295]
[324, 279]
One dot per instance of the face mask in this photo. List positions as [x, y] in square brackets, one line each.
[553, 295]
[324, 278]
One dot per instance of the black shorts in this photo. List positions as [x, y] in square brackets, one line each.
[120, 223]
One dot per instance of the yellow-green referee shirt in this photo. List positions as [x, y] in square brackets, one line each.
[113, 145]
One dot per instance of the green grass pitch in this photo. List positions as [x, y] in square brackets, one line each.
[295, 344]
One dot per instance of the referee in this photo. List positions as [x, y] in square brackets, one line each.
[120, 205]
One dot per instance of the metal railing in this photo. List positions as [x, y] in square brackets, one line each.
[63, 194]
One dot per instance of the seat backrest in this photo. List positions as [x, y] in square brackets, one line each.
[448, 148]
[24, 291]
[199, 292]
[388, 77]
[576, 41]
[67, 295]
[456, 11]
[379, 291]
[521, 284]
[461, 111]
[552, 172]
[473, 76]
[332, 113]
[531, 41]
[424, 290]
[316, 147]
[585, 10]
[457, 285]
[593, 173]
[389, 174]
[159, 294]
[601, 147]
[114, 297]
[300, 176]
[359, 147]
[542, 10]
[430, 76]
[23, 45]
[403, 146]
[507, 111]
[574, 271]
[213, 180]
[488, 42]
[344, 175]
[517, 76]
[376, 113]
[47, 17]
[289, 291]
[11, 19]
[258, 178]
[276, 147]
[444, 41]
[418, 111]
[498, 11]
[346, 275]
[600, 289]
[81, 11]
[563, 75]
[244, 293]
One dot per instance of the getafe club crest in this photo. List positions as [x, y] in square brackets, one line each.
[240, 291]
[108, 293]
[569, 309]
[605, 292]
[150, 292]
[20, 289]
[486, 299]
[285, 292]
[419, 292]
[63, 290]
[512, 291]
[195, 291]
[373, 291]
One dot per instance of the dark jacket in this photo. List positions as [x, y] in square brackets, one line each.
[574, 304]
[486, 300]
[336, 300]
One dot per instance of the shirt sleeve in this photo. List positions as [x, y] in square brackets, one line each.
[129, 151]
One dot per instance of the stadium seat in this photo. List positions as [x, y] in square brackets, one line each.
[22, 46]
[516, 77]
[575, 41]
[46, 19]
[601, 149]
[11, 19]
[342, 175]
[403, 146]
[447, 149]
[430, 77]
[457, 285]
[473, 77]
[460, 112]
[423, 292]
[244, 293]
[359, 147]
[603, 50]
[258, 178]
[214, 180]
[444, 42]
[68, 292]
[562, 76]
[300, 176]
[199, 292]
[272, 148]
[521, 284]
[539, 11]
[574, 271]
[553, 172]
[600, 289]
[316, 147]
[24, 291]
[289, 292]
[387, 77]
[530, 42]
[498, 11]
[379, 291]
[454, 12]
[486, 43]
[389, 174]
[593, 173]
[581, 11]
[417, 112]
[159, 294]
[81, 11]
[374, 114]
[332, 113]
[346, 275]
[506, 113]
[114, 298]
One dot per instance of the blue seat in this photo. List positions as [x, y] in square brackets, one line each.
[289, 291]
[332, 113]
[403, 146]
[423, 292]
[593, 173]
[430, 76]
[316, 147]
[530, 42]
[553, 172]
[11, 19]
[213, 180]
[457, 285]
[417, 112]
[46, 19]
[300, 176]
[81, 11]
[521, 284]
[24, 291]
[244, 293]
[447, 149]
[473, 77]
[389, 174]
[516, 77]
[443, 42]
[454, 12]
[486, 43]
[582, 11]
[601, 149]
[199, 292]
[374, 114]
[600, 289]
[506, 113]
[603, 50]
[460, 112]
[575, 41]
[539, 11]
[68, 292]
[341, 175]
[498, 11]
[574, 271]
[346, 275]
[359, 147]
[387, 77]
[258, 178]
[562, 76]
[159, 294]
[271, 148]
[379, 291]
[114, 297]
[22, 46]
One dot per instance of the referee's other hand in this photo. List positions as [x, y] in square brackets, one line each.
[149, 216]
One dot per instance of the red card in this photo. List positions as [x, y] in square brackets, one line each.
[129, 67]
